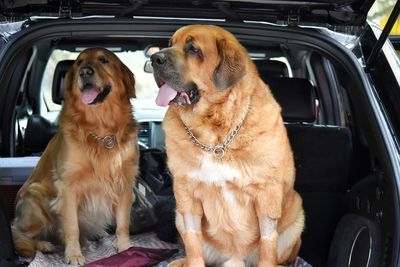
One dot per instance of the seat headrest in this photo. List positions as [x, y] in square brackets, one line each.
[270, 69]
[38, 133]
[296, 97]
[59, 80]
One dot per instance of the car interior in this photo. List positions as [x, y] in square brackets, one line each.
[347, 195]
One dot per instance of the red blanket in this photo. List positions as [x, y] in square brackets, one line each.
[135, 256]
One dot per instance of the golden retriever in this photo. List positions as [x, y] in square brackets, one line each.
[84, 179]
[229, 153]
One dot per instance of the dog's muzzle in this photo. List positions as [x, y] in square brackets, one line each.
[171, 92]
[91, 93]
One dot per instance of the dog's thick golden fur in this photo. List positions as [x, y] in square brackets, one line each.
[80, 186]
[241, 209]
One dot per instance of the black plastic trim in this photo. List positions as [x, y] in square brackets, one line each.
[349, 12]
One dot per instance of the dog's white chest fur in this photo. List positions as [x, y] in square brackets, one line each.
[211, 171]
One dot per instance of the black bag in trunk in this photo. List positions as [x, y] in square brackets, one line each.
[154, 207]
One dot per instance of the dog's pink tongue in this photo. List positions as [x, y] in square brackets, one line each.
[89, 95]
[165, 95]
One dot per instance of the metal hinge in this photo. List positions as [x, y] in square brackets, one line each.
[65, 9]
[293, 19]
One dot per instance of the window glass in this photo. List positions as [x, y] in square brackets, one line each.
[387, 82]
[380, 12]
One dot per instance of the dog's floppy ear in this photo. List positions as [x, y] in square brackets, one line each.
[231, 67]
[129, 81]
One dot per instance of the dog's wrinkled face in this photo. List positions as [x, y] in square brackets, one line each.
[201, 60]
[97, 74]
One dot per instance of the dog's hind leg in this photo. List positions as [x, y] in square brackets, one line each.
[26, 246]
[32, 217]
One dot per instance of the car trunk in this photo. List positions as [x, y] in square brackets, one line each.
[343, 176]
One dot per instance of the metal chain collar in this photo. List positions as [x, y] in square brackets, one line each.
[108, 140]
[218, 151]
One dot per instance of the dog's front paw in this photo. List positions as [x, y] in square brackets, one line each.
[197, 262]
[124, 244]
[185, 263]
[268, 264]
[45, 246]
[74, 259]
[177, 263]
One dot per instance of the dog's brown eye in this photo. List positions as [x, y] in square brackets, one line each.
[79, 62]
[191, 50]
[103, 60]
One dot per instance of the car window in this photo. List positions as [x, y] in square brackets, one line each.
[380, 16]
[380, 11]
[146, 88]
[387, 83]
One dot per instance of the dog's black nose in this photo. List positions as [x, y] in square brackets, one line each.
[158, 59]
[86, 72]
